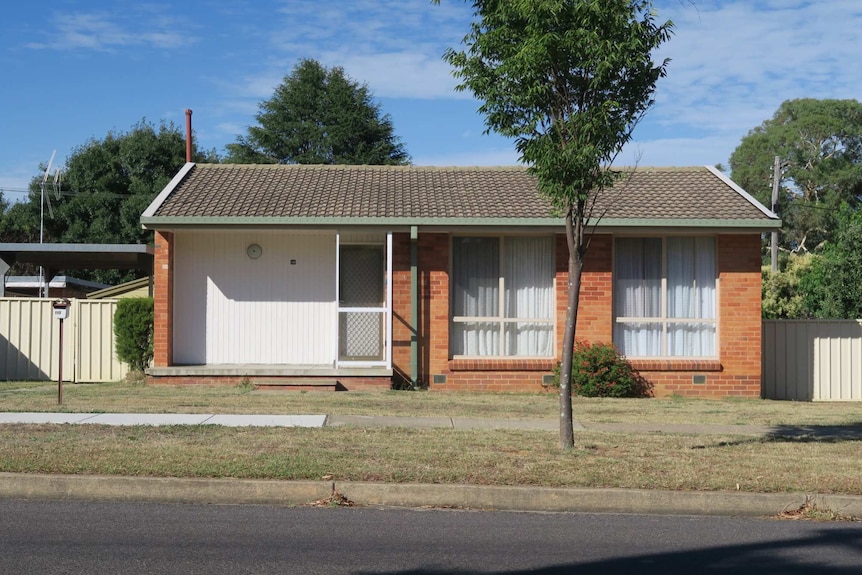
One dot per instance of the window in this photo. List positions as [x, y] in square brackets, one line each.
[503, 296]
[664, 296]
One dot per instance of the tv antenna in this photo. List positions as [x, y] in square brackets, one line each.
[55, 185]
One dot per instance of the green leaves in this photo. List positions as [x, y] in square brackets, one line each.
[133, 329]
[106, 184]
[319, 116]
[567, 79]
[820, 145]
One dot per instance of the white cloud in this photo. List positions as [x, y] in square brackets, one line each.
[394, 46]
[734, 62]
[412, 75]
[102, 31]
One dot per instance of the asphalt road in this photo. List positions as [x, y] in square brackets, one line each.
[50, 537]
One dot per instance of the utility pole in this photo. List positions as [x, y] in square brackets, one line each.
[776, 179]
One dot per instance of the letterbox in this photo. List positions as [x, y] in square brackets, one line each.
[61, 308]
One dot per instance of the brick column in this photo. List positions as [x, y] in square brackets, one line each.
[595, 307]
[434, 305]
[163, 294]
[739, 317]
[402, 330]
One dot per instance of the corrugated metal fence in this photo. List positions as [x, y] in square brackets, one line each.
[803, 360]
[29, 341]
[812, 360]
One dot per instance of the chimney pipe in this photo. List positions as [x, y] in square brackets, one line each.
[188, 135]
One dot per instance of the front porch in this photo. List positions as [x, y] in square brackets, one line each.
[276, 377]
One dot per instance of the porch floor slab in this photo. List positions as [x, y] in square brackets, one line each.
[261, 370]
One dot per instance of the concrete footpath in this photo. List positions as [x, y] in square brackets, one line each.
[274, 492]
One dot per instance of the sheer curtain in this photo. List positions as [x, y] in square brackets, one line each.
[476, 269]
[691, 295]
[528, 271]
[637, 294]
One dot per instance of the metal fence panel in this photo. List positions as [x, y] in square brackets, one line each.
[29, 341]
[812, 360]
[96, 353]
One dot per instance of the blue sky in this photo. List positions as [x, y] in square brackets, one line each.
[75, 70]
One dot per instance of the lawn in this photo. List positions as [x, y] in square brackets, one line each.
[500, 457]
[125, 397]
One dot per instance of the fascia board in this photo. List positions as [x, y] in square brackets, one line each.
[735, 187]
[163, 195]
[429, 224]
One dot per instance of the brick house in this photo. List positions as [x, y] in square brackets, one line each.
[355, 277]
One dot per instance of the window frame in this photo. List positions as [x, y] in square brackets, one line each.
[500, 320]
[663, 319]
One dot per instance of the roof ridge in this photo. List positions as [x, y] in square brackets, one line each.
[339, 167]
[346, 167]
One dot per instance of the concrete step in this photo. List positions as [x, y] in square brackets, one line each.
[297, 384]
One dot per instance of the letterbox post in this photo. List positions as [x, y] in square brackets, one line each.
[61, 312]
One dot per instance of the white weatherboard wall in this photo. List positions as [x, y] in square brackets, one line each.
[276, 309]
[819, 360]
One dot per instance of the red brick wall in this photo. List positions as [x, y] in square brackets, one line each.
[433, 305]
[401, 327]
[503, 374]
[595, 310]
[737, 370]
[163, 293]
[735, 373]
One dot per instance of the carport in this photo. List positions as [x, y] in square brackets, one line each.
[55, 257]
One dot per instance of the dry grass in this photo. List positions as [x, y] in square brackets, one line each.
[125, 397]
[501, 457]
[650, 461]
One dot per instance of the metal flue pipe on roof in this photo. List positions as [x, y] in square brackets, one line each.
[188, 135]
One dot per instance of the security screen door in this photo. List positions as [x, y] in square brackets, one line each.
[362, 303]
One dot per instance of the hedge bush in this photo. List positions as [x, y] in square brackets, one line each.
[598, 370]
[133, 330]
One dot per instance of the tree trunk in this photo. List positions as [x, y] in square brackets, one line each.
[574, 240]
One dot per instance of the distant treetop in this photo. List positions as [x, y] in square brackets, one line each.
[318, 115]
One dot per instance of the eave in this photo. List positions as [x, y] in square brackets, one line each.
[167, 223]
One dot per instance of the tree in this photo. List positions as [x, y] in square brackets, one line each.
[832, 287]
[569, 80]
[106, 184]
[782, 295]
[319, 116]
[819, 142]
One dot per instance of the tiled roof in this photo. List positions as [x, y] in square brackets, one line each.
[414, 193]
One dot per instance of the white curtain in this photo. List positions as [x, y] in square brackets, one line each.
[528, 270]
[691, 273]
[528, 278]
[476, 269]
[691, 295]
[637, 294]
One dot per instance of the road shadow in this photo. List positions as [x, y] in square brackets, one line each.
[817, 554]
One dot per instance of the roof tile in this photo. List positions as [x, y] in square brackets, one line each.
[410, 192]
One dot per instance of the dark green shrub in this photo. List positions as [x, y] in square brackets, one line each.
[598, 370]
[133, 330]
